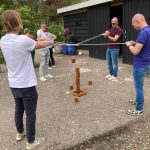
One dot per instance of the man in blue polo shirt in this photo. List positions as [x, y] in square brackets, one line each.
[141, 51]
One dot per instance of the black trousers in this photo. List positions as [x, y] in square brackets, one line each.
[25, 100]
[51, 59]
[33, 55]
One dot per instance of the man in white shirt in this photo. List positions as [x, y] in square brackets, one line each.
[21, 75]
[44, 54]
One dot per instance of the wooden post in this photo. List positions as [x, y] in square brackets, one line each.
[90, 82]
[76, 99]
[77, 91]
[77, 79]
[73, 60]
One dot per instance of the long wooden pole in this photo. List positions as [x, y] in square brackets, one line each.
[77, 79]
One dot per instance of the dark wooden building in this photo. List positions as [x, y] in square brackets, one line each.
[90, 18]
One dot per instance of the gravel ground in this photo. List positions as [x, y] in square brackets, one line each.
[100, 115]
[132, 136]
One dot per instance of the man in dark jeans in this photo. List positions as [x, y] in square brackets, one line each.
[25, 98]
[21, 75]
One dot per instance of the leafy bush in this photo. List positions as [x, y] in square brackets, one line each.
[56, 28]
[2, 60]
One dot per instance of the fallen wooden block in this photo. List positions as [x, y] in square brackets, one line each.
[73, 60]
[90, 82]
[76, 99]
[71, 87]
[78, 93]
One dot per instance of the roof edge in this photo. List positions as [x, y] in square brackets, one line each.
[81, 5]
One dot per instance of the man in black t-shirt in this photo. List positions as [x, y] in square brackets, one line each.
[113, 35]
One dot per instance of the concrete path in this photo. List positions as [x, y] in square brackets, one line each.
[61, 121]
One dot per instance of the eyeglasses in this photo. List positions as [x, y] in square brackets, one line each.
[113, 23]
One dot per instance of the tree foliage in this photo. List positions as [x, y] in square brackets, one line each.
[33, 12]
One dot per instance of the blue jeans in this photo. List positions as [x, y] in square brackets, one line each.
[25, 100]
[112, 60]
[139, 75]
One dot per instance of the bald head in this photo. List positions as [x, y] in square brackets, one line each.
[139, 17]
[115, 19]
[138, 21]
[114, 22]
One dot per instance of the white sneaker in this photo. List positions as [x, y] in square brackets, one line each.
[113, 79]
[43, 79]
[132, 101]
[49, 76]
[53, 66]
[134, 112]
[108, 76]
[37, 142]
[50, 68]
[20, 136]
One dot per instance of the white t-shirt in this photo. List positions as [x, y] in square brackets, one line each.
[17, 52]
[44, 35]
[41, 34]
